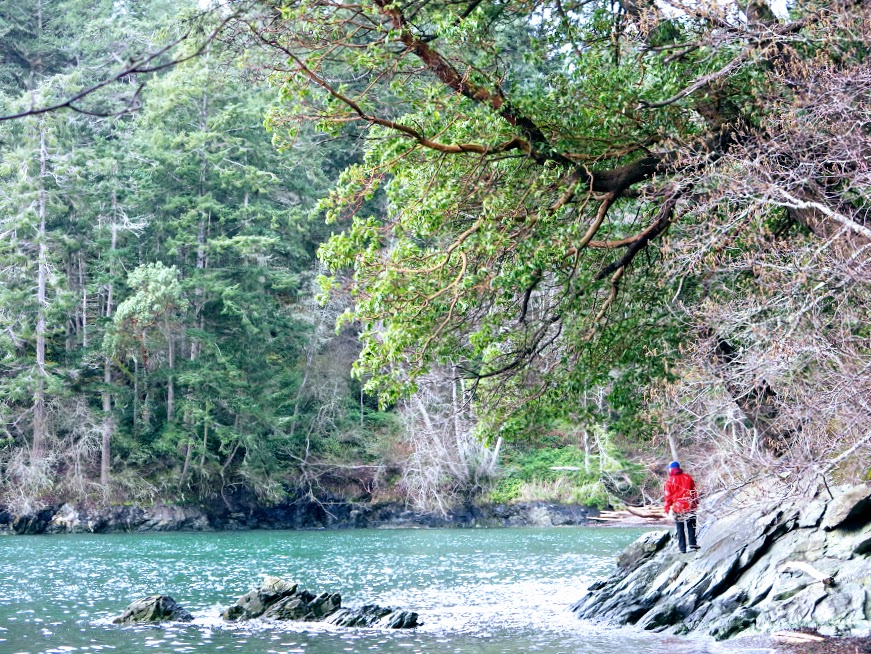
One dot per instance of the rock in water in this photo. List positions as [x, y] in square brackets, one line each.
[400, 620]
[372, 615]
[766, 565]
[258, 601]
[305, 607]
[153, 609]
[278, 599]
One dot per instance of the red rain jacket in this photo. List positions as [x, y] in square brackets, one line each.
[680, 492]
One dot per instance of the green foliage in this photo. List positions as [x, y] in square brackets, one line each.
[440, 273]
[182, 249]
[506, 490]
[564, 473]
[537, 464]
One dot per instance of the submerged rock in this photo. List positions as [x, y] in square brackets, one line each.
[153, 609]
[764, 565]
[278, 599]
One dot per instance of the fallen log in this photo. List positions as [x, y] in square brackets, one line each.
[796, 637]
[808, 569]
[647, 511]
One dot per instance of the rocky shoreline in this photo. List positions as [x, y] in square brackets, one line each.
[300, 514]
[766, 565]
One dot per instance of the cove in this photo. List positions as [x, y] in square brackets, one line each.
[486, 591]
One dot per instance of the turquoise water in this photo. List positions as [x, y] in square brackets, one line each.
[478, 591]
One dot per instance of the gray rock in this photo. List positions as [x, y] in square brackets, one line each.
[153, 609]
[853, 504]
[174, 518]
[33, 523]
[812, 514]
[277, 599]
[751, 573]
[788, 589]
[255, 603]
[663, 615]
[241, 510]
[735, 623]
[642, 549]
[305, 607]
[67, 520]
[372, 615]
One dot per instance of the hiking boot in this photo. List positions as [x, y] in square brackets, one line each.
[695, 547]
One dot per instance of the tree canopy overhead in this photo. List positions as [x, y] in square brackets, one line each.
[551, 191]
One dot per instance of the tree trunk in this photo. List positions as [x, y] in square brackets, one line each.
[199, 292]
[170, 388]
[39, 418]
[135, 399]
[205, 440]
[672, 444]
[106, 446]
[455, 401]
[107, 428]
[587, 452]
[84, 301]
[758, 403]
[71, 326]
[187, 464]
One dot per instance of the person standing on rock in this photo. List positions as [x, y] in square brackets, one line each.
[682, 500]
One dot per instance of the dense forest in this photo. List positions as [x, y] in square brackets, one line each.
[431, 251]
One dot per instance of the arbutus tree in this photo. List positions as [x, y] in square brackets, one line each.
[526, 161]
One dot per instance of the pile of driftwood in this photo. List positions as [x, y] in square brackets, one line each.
[633, 514]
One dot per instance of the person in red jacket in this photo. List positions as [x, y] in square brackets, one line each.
[682, 499]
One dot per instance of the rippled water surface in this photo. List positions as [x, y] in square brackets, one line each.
[478, 591]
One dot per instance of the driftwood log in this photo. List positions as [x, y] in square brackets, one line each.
[642, 514]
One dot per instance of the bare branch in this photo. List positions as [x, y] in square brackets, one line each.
[144, 65]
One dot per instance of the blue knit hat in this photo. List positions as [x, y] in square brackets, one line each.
[673, 464]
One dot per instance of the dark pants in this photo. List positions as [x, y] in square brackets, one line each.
[688, 520]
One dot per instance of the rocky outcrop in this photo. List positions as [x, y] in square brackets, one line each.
[764, 565]
[244, 513]
[153, 609]
[278, 599]
[32, 523]
[70, 519]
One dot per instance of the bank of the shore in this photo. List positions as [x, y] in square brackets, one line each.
[767, 564]
[69, 518]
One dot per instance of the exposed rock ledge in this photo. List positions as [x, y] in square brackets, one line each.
[764, 565]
